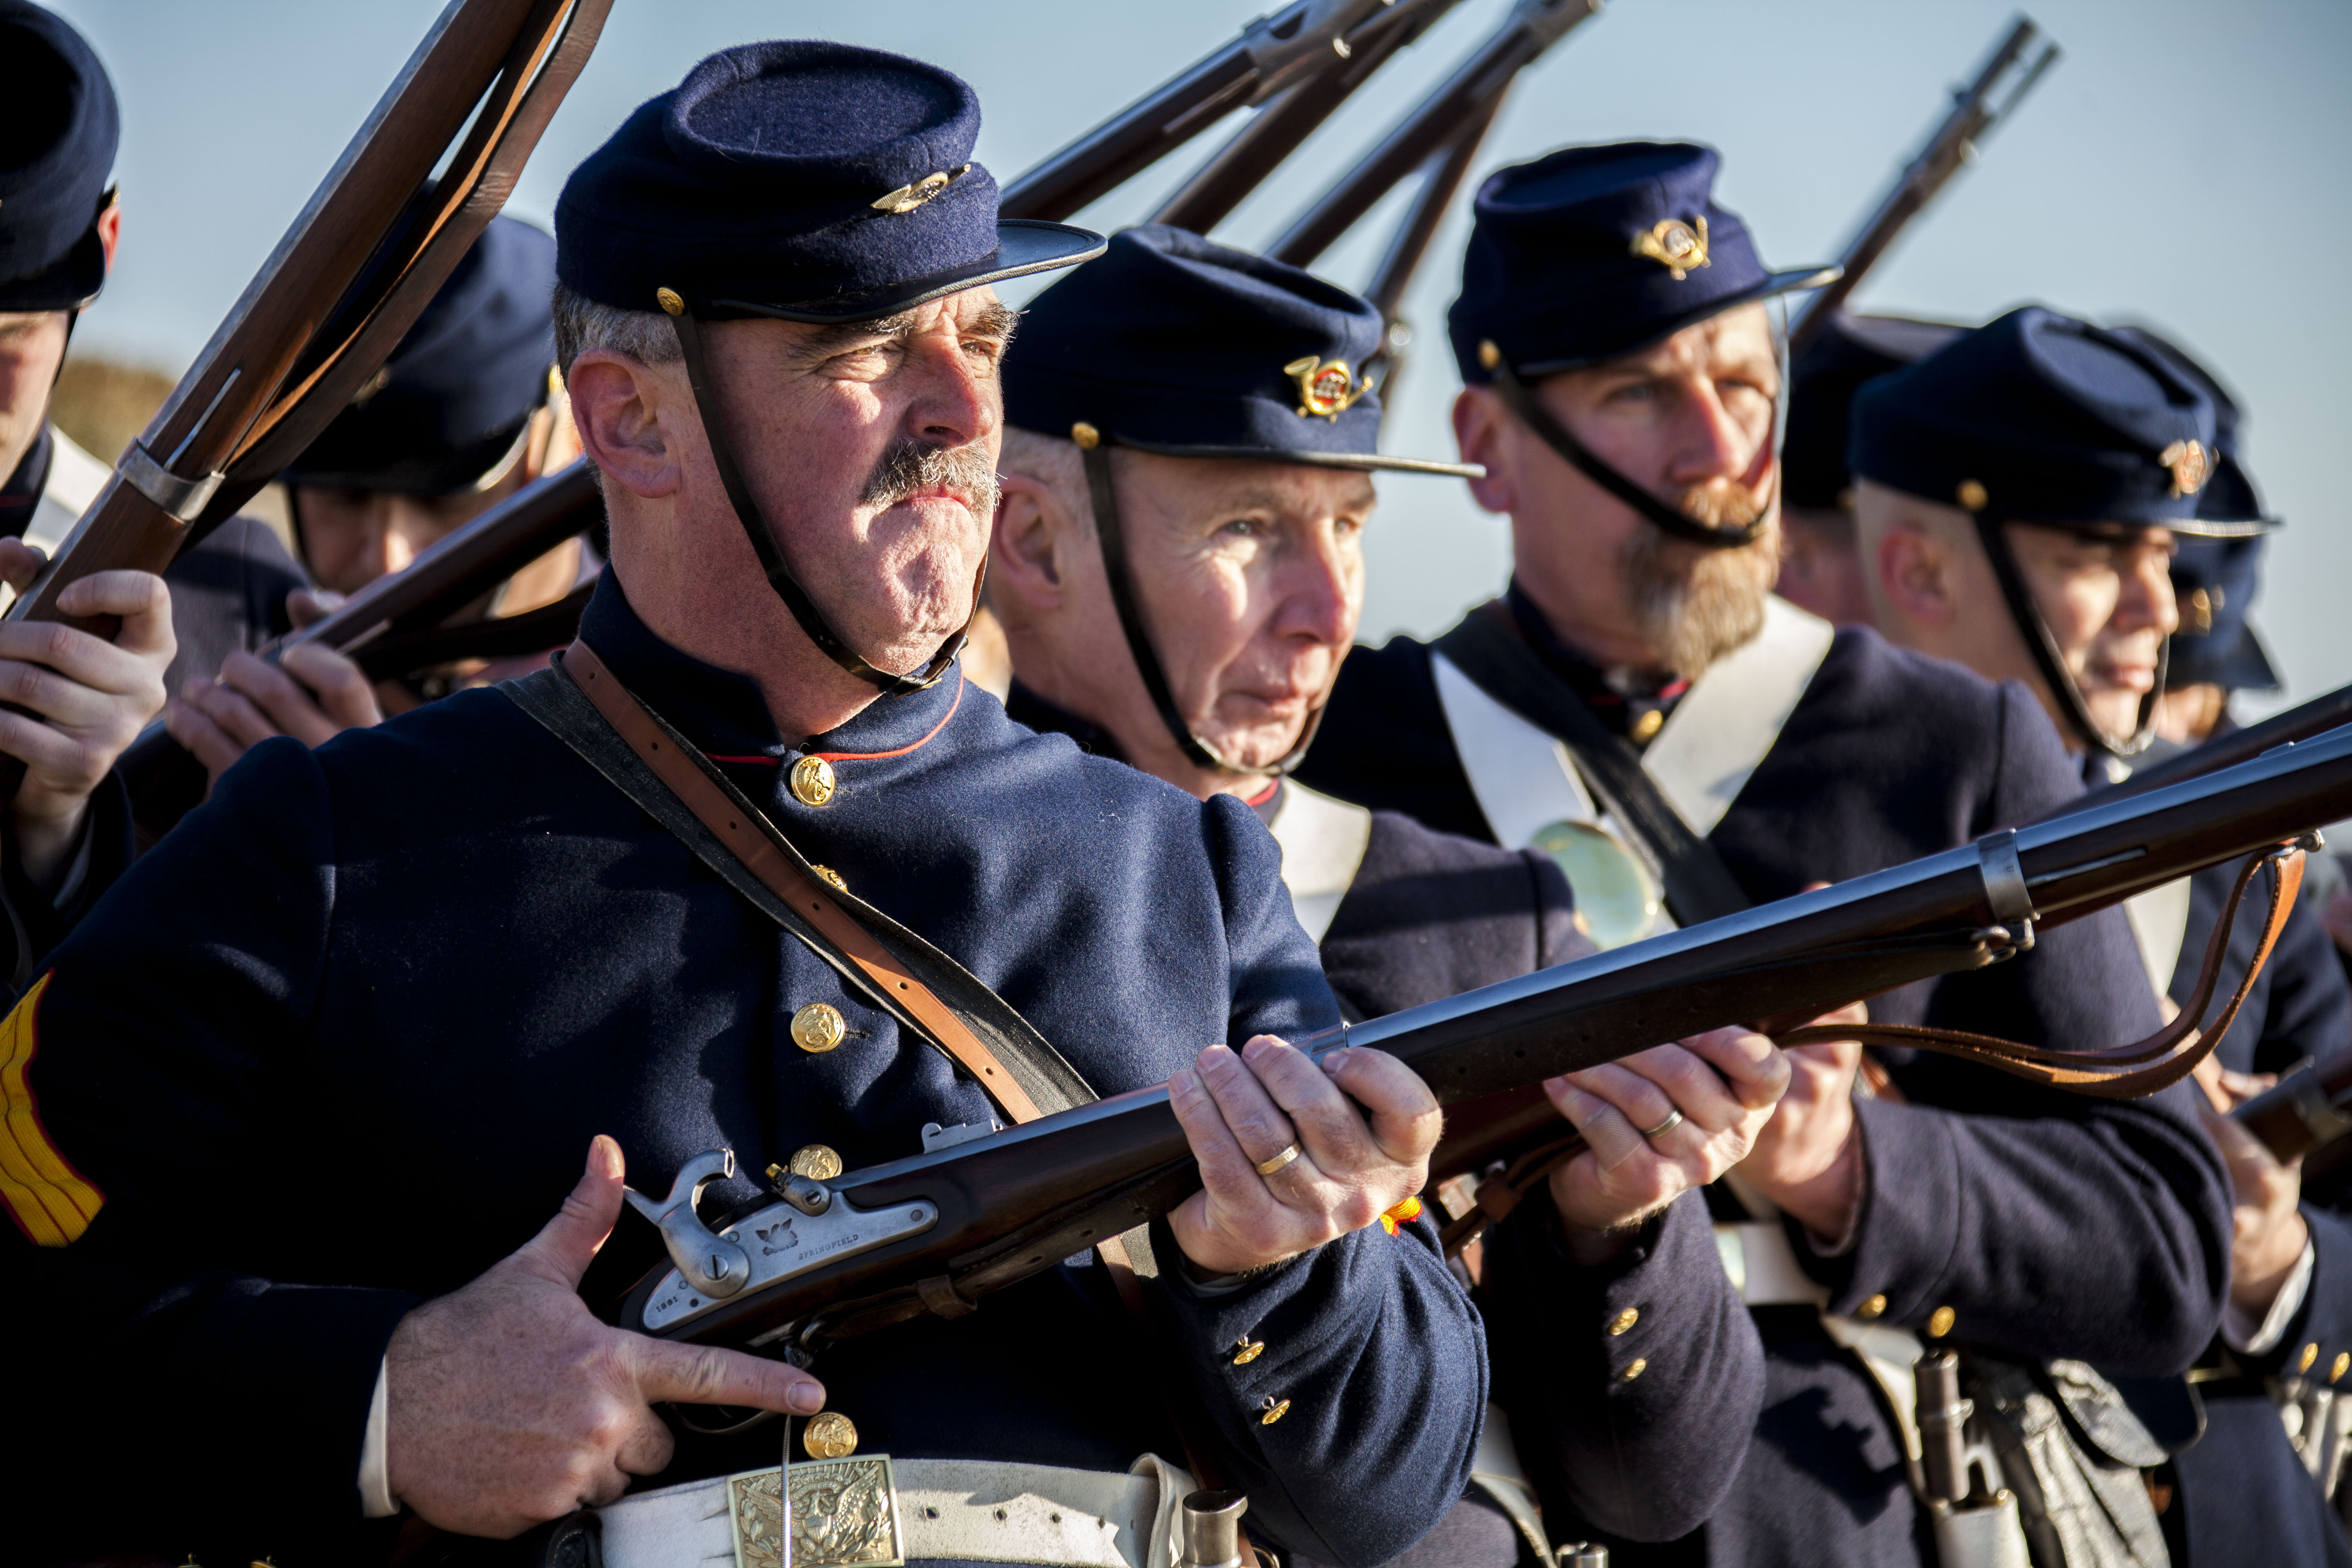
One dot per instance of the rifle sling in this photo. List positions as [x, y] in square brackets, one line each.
[1488, 649]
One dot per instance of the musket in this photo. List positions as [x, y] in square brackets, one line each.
[1272, 54]
[1473, 91]
[1954, 143]
[2301, 722]
[377, 239]
[941, 1230]
[1243, 163]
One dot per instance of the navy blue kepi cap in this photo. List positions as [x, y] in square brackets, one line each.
[58, 130]
[2214, 582]
[1173, 343]
[2041, 417]
[451, 403]
[813, 181]
[1593, 252]
[1850, 350]
[2229, 496]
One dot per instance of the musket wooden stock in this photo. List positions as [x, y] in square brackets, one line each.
[1018, 1202]
[374, 244]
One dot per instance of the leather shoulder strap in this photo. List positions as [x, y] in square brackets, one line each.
[1699, 885]
[661, 771]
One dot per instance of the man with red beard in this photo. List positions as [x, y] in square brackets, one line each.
[1640, 704]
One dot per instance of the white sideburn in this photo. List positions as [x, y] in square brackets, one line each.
[1322, 842]
[1525, 780]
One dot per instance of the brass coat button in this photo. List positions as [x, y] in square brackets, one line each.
[1939, 1322]
[2310, 1355]
[1272, 1410]
[817, 1162]
[1645, 729]
[1874, 1307]
[2339, 1367]
[818, 1028]
[829, 1436]
[1247, 1350]
[812, 781]
[1636, 1367]
[1623, 1320]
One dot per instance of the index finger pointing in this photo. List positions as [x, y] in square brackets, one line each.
[707, 1374]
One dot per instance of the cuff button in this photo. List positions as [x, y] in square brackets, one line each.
[1874, 1307]
[1625, 1321]
[1636, 1368]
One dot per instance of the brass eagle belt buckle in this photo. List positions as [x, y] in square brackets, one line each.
[844, 1515]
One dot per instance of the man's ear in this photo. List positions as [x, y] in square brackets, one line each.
[615, 403]
[110, 232]
[1027, 548]
[1478, 421]
[1914, 572]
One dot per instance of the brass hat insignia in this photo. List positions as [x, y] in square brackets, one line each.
[907, 198]
[1325, 386]
[2192, 466]
[1675, 246]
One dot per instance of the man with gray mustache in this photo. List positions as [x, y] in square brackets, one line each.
[1687, 746]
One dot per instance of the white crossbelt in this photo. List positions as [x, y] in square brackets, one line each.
[1322, 842]
[975, 1511]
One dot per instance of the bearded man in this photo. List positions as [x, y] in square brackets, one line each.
[1640, 704]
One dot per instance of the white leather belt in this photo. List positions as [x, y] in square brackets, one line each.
[873, 1509]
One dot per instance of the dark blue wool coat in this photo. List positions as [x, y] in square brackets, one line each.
[340, 1042]
[1430, 915]
[2051, 1225]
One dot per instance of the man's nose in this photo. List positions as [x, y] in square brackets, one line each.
[955, 402]
[1709, 444]
[2147, 600]
[1322, 590]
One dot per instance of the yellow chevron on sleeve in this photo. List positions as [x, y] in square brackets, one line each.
[46, 1196]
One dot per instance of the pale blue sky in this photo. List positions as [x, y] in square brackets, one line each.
[2182, 165]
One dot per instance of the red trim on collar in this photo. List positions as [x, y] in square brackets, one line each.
[878, 757]
[1262, 797]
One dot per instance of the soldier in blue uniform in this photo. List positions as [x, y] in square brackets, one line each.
[2106, 596]
[1638, 686]
[459, 418]
[433, 960]
[1179, 565]
[1822, 569]
[65, 833]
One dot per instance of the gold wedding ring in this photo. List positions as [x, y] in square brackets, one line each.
[1668, 1125]
[1268, 1167]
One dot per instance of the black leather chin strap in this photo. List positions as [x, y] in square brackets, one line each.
[779, 572]
[2052, 662]
[1139, 637]
[1560, 438]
